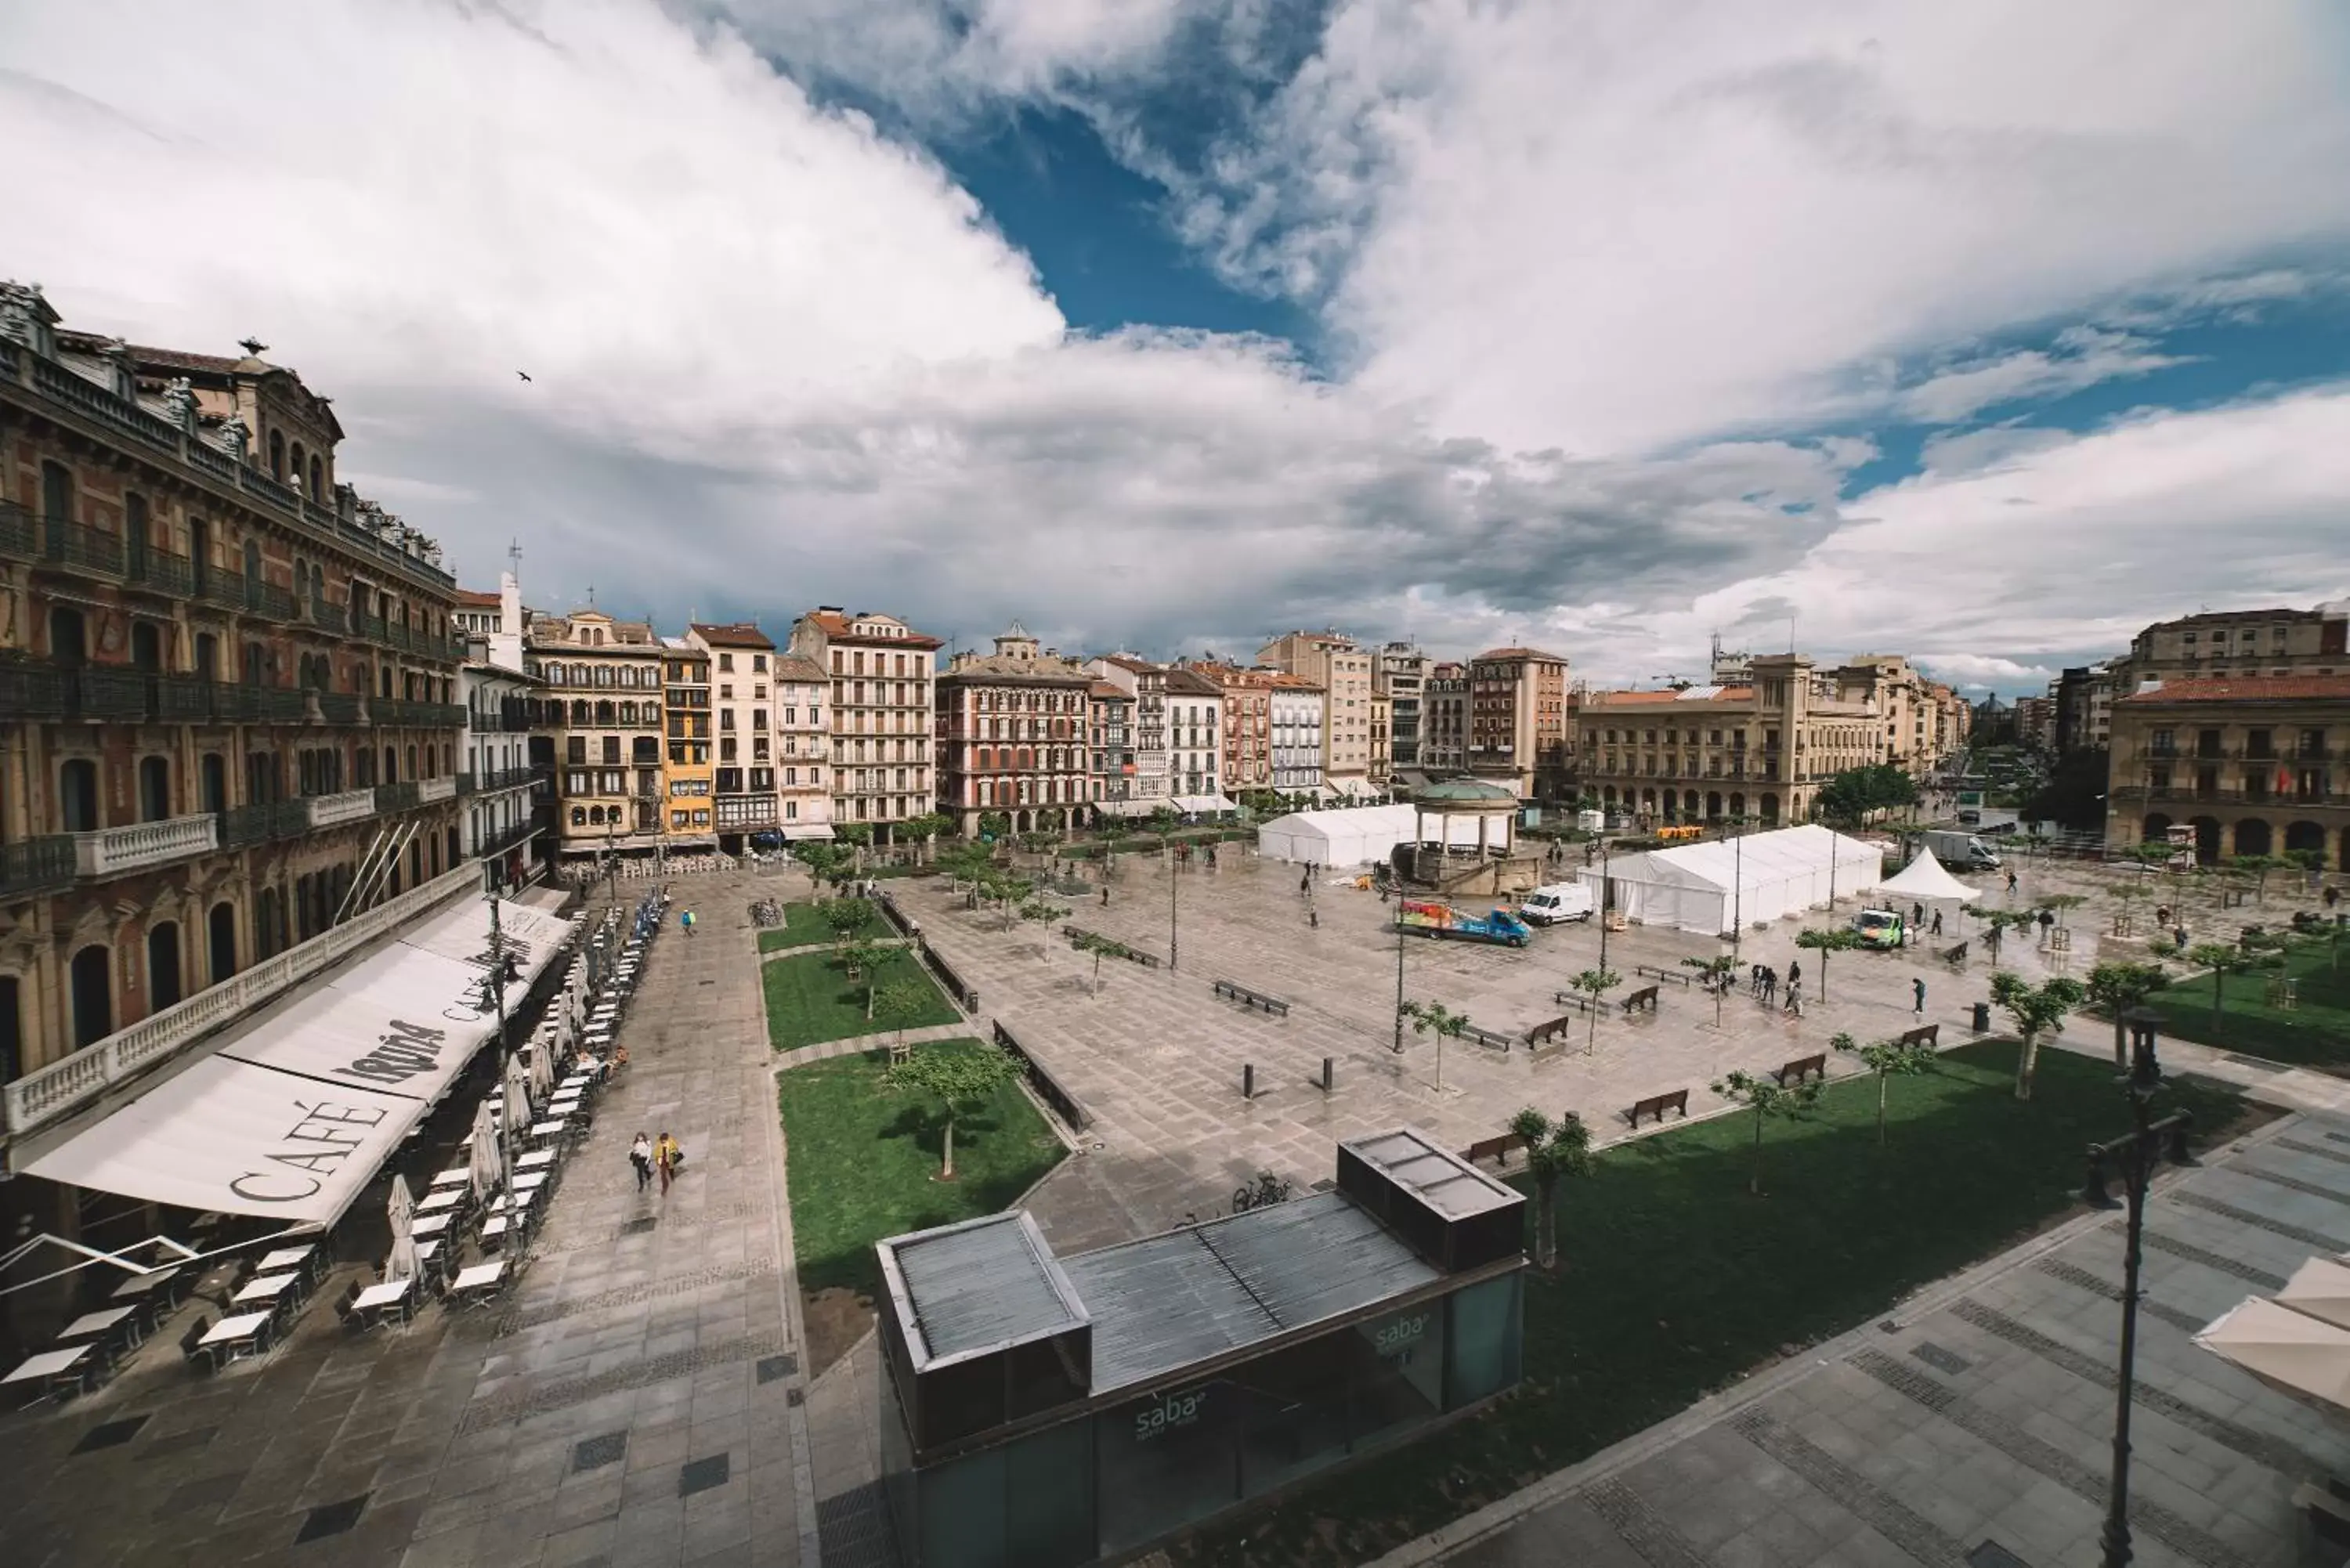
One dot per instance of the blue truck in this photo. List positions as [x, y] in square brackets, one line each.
[1432, 918]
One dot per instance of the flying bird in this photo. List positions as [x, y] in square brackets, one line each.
[524, 374]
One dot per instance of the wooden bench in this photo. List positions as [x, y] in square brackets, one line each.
[1656, 1106]
[1497, 1149]
[1803, 1068]
[1129, 953]
[1271, 1006]
[1491, 1039]
[1643, 999]
[1575, 999]
[1555, 1029]
[1677, 976]
[1927, 1034]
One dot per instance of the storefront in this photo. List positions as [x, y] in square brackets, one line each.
[1048, 1412]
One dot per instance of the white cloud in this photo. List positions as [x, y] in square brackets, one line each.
[1606, 227]
[2082, 357]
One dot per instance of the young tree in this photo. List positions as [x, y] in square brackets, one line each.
[1825, 941]
[2258, 866]
[823, 863]
[1435, 1018]
[2061, 904]
[1594, 983]
[1037, 911]
[1887, 1059]
[995, 825]
[1714, 973]
[862, 959]
[1767, 1098]
[900, 1002]
[2117, 988]
[858, 837]
[2222, 961]
[1997, 923]
[848, 918]
[2127, 895]
[1101, 947]
[2035, 1010]
[1554, 1151]
[924, 830]
[957, 1080]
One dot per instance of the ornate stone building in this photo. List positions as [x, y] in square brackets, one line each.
[1332, 660]
[1015, 736]
[2255, 765]
[1518, 722]
[229, 706]
[883, 679]
[603, 716]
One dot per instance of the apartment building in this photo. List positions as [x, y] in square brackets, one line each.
[687, 811]
[1296, 706]
[1146, 684]
[1195, 769]
[1401, 677]
[1925, 723]
[803, 746]
[746, 800]
[1697, 753]
[1111, 713]
[1518, 722]
[499, 784]
[1015, 736]
[883, 675]
[2256, 766]
[1247, 726]
[1332, 660]
[603, 681]
[1444, 719]
[229, 713]
[2237, 645]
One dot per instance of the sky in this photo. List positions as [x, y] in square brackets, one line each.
[1985, 334]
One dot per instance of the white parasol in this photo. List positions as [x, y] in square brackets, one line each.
[542, 1071]
[482, 1157]
[401, 1265]
[2320, 1288]
[2289, 1351]
[518, 1089]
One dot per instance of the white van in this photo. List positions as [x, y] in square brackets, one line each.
[1559, 901]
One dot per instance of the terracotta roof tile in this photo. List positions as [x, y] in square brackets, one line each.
[735, 634]
[2264, 689]
[474, 599]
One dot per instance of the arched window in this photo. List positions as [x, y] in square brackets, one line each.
[317, 481]
[146, 647]
[93, 994]
[223, 941]
[581, 712]
[578, 816]
[276, 455]
[212, 782]
[390, 764]
[162, 966]
[69, 637]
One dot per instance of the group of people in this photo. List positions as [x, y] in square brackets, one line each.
[662, 1154]
[1763, 983]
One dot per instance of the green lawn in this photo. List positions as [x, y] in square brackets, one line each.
[864, 1159]
[803, 924]
[811, 998]
[2315, 1033]
[1674, 1281]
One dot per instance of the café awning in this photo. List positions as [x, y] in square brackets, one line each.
[291, 1115]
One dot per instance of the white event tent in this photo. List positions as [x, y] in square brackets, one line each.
[1356, 835]
[1925, 880]
[296, 1111]
[1709, 887]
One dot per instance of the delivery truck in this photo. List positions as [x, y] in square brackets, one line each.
[1961, 851]
[1430, 918]
[1559, 902]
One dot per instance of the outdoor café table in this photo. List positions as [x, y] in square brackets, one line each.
[156, 1282]
[235, 1331]
[438, 1201]
[530, 1182]
[263, 1288]
[559, 1109]
[427, 1251]
[493, 1231]
[378, 1302]
[455, 1176]
[425, 1225]
[478, 1284]
[526, 1195]
[52, 1368]
[537, 1160]
[96, 1326]
[284, 1258]
[547, 1129]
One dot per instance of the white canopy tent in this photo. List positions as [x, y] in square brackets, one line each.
[1925, 880]
[293, 1114]
[1708, 887]
[1355, 835]
[1206, 803]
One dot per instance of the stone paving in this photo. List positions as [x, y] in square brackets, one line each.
[1157, 1058]
[1982, 1412]
[637, 1398]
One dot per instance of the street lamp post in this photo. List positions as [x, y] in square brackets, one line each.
[2134, 1158]
[1398, 1011]
[1169, 853]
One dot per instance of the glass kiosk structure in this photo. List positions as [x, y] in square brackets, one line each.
[1046, 1412]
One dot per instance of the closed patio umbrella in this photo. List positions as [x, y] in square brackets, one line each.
[401, 1264]
[482, 1157]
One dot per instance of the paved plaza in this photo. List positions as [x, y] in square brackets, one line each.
[644, 1394]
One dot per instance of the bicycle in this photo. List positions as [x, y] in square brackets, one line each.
[1268, 1190]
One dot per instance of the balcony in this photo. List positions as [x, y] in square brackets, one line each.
[30, 691]
[36, 866]
[338, 707]
[113, 851]
[493, 779]
[500, 840]
[346, 806]
[104, 693]
[326, 615]
[244, 824]
[77, 547]
[221, 590]
[161, 571]
[431, 791]
[403, 796]
[282, 704]
[180, 699]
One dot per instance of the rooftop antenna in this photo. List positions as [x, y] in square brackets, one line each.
[1791, 631]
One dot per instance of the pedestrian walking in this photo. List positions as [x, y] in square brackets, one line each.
[640, 1155]
[686, 919]
[667, 1158]
[2331, 896]
[1938, 922]
[1314, 916]
[1305, 882]
[1104, 898]
[1916, 914]
[1796, 975]
[1918, 997]
[1795, 1001]
[2010, 884]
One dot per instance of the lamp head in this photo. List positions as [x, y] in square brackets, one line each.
[2145, 1069]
